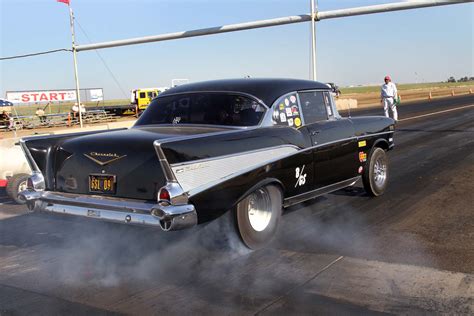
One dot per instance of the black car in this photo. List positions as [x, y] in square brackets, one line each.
[251, 146]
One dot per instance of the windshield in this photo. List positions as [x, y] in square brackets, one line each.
[203, 108]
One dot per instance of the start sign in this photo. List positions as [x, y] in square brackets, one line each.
[41, 96]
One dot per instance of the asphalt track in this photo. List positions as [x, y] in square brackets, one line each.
[410, 251]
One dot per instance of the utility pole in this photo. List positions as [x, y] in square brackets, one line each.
[74, 53]
[313, 38]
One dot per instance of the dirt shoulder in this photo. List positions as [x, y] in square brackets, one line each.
[370, 99]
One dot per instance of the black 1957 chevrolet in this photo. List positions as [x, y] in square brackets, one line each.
[252, 146]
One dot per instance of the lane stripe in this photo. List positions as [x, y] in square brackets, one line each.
[298, 286]
[434, 113]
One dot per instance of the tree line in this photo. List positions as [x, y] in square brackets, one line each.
[462, 79]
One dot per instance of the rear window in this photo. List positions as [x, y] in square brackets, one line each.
[203, 108]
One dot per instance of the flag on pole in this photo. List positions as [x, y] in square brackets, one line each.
[63, 1]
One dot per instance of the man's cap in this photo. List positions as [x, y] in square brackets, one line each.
[387, 78]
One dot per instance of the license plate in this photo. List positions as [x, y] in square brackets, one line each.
[102, 183]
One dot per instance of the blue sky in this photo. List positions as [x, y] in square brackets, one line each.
[419, 45]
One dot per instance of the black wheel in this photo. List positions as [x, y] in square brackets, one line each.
[258, 215]
[375, 177]
[16, 184]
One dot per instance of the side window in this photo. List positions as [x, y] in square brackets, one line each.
[314, 106]
[142, 95]
[286, 111]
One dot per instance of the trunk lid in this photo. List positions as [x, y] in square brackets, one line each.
[126, 156]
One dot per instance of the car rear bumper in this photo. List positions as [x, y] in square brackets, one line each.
[167, 217]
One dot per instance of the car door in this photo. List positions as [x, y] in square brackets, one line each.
[298, 169]
[333, 141]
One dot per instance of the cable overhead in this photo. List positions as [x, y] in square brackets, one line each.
[103, 61]
[36, 54]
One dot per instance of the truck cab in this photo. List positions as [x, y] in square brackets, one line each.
[143, 96]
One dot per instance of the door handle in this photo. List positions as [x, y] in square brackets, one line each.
[314, 133]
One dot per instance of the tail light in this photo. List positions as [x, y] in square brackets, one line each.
[172, 193]
[164, 195]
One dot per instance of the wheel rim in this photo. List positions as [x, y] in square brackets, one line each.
[380, 171]
[22, 186]
[259, 209]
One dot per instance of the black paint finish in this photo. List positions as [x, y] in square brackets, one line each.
[328, 151]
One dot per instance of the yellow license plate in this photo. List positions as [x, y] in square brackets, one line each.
[102, 183]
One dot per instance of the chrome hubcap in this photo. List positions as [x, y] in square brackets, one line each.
[380, 172]
[22, 186]
[259, 209]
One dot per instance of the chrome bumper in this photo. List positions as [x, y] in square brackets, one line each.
[168, 217]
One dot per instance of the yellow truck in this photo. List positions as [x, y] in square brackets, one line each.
[143, 96]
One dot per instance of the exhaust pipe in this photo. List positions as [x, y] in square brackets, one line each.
[31, 199]
[175, 217]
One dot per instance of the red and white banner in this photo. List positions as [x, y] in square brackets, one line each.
[63, 1]
[41, 96]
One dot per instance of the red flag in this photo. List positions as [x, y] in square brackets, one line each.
[63, 1]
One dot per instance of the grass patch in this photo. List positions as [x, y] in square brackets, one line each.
[408, 86]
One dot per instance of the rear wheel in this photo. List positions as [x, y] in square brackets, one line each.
[15, 185]
[258, 216]
[375, 177]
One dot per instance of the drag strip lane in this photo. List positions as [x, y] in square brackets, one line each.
[436, 113]
[417, 108]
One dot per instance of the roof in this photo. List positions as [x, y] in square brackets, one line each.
[267, 90]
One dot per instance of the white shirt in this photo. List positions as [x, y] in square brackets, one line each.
[389, 90]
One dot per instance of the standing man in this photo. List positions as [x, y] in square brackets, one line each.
[40, 113]
[388, 95]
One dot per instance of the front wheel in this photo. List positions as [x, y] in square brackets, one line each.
[375, 177]
[258, 215]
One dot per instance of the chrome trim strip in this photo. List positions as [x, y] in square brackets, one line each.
[330, 143]
[181, 164]
[198, 174]
[345, 139]
[375, 134]
[169, 175]
[318, 192]
[243, 171]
